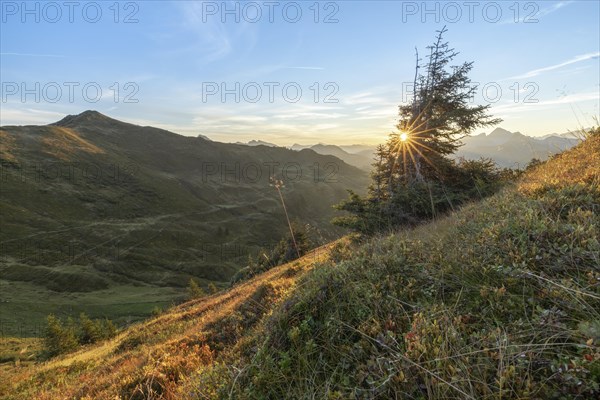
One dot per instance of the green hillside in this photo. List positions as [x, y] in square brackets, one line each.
[113, 219]
[500, 299]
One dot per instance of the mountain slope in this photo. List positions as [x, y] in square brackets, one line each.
[498, 300]
[513, 149]
[112, 218]
[184, 339]
[359, 160]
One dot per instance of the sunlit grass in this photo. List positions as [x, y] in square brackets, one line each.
[580, 166]
[7, 146]
[163, 350]
[63, 142]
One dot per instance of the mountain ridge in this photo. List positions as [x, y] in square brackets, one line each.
[508, 149]
[92, 204]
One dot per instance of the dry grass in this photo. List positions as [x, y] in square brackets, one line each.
[7, 146]
[579, 166]
[63, 142]
[150, 359]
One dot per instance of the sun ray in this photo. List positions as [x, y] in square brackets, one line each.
[417, 143]
[424, 157]
[418, 117]
[411, 139]
[412, 157]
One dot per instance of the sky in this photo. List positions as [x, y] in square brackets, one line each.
[293, 72]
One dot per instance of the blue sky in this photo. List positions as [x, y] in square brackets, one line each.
[344, 65]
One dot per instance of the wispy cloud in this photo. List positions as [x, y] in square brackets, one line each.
[303, 115]
[528, 16]
[209, 34]
[366, 98]
[212, 40]
[310, 68]
[246, 119]
[556, 6]
[26, 115]
[32, 55]
[545, 104]
[576, 59]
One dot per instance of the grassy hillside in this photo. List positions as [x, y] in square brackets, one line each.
[113, 219]
[163, 352]
[498, 300]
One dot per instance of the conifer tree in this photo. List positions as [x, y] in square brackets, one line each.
[194, 290]
[91, 331]
[414, 177]
[58, 338]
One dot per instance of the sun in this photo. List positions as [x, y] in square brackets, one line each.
[403, 137]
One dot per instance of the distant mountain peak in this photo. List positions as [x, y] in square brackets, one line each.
[92, 114]
[86, 117]
[254, 142]
[500, 132]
